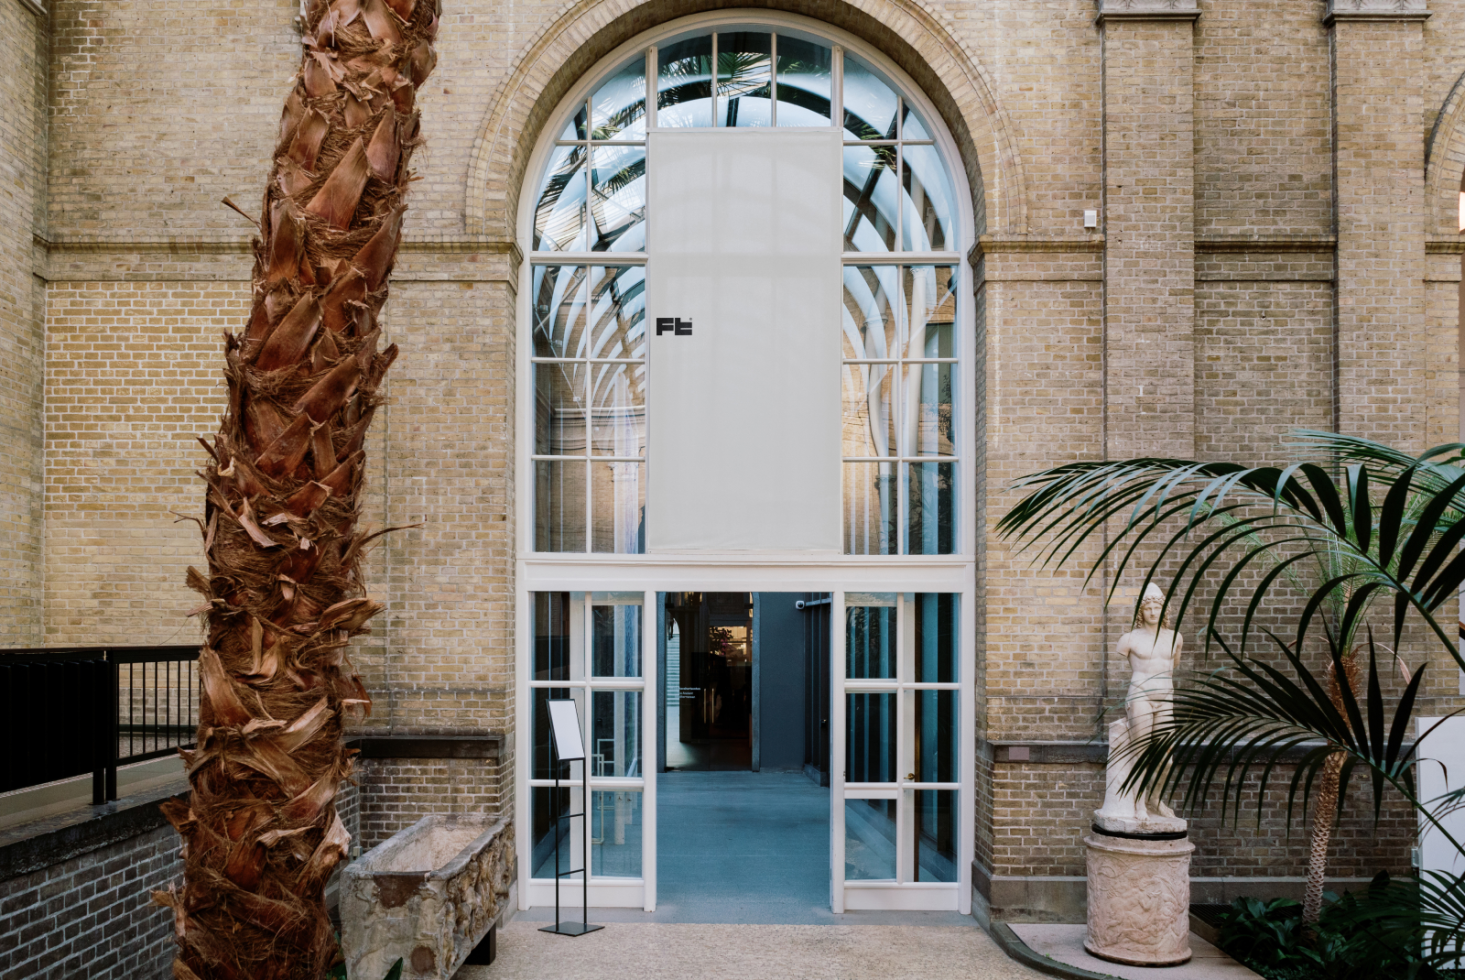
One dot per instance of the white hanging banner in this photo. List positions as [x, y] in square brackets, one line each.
[743, 302]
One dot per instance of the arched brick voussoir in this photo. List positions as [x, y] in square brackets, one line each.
[909, 32]
[1444, 163]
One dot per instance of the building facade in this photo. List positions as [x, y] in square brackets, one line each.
[1067, 230]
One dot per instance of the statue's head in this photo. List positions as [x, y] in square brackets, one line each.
[1150, 607]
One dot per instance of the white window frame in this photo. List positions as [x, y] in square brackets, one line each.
[737, 572]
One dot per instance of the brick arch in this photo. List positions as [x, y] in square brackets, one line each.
[585, 31]
[1444, 163]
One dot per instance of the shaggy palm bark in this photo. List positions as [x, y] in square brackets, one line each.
[284, 590]
[1325, 807]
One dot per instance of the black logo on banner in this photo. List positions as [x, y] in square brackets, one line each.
[676, 326]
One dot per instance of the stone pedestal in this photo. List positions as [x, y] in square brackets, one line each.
[1139, 900]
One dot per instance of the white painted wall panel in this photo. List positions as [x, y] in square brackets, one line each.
[744, 419]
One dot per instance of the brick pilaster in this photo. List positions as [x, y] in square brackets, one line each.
[1379, 215]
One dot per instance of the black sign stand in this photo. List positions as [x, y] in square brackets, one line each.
[583, 926]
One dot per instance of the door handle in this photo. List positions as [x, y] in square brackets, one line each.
[910, 776]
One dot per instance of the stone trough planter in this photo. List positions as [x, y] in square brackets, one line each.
[429, 895]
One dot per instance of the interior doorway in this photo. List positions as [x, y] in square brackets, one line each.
[708, 640]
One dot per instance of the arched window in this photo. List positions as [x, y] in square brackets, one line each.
[903, 338]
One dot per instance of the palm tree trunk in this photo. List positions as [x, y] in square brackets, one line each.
[1325, 805]
[284, 592]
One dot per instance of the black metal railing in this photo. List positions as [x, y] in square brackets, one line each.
[65, 712]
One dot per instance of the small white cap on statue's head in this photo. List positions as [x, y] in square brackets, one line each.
[1153, 591]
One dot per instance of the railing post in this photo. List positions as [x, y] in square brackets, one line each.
[97, 673]
[113, 724]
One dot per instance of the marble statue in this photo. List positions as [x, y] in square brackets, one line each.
[1138, 857]
[1154, 654]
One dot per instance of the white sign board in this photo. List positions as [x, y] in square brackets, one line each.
[743, 313]
[564, 723]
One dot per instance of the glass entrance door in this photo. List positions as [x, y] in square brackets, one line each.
[592, 648]
[897, 774]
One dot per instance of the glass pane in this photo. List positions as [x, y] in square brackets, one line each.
[869, 104]
[869, 198]
[575, 128]
[803, 82]
[928, 393]
[559, 215]
[744, 97]
[618, 199]
[930, 207]
[936, 633]
[870, 745]
[620, 508]
[931, 525]
[929, 294]
[618, 107]
[870, 636]
[559, 409]
[935, 727]
[868, 426]
[869, 840]
[618, 408]
[911, 126]
[559, 310]
[684, 83]
[615, 743]
[934, 828]
[543, 754]
[615, 834]
[615, 644]
[559, 506]
[543, 838]
[618, 311]
[551, 636]
[869, 320]
[869, 509]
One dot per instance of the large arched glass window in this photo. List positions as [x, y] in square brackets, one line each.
[901, 323]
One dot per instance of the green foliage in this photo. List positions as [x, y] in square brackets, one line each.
[1367, 526]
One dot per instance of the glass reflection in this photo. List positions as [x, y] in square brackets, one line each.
[551, 636]
[911, 125]
[935, 639]
[559, 215]
[559, 310]
[615, 737]
[619, 518]
[615, 643]
[870, 637]
[559, 409]
[869, 104]
[931, 523]
[545, 835]
[803, 82]
[617, 312]
[869, 198]
[936, 728]
[868, 418]
[744, 79]
[929, 294]
[868, 320]
[618, 107]
[559, 505]
[618, 198]
[684, 83]
[575, 128]
[869, 509]
[928, 414]
[928, 220]
[618, 409]
[615, 833]
[870, 738]
[869, 840]
[933, 826]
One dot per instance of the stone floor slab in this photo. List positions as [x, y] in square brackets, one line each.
[1064, 943]
[665, 951]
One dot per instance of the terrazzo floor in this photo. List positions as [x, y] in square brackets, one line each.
[685, 951]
